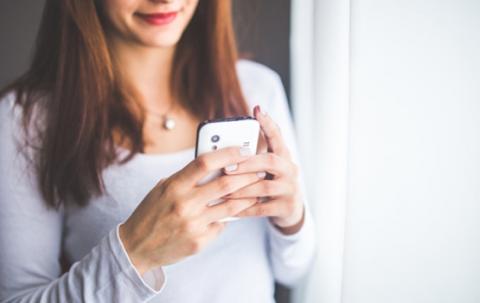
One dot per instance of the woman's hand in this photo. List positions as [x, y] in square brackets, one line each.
[173, 221]
[280, 191]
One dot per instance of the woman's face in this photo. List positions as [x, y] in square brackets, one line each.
[153, 23]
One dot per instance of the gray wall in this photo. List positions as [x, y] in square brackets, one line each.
[263, 31]
[18, 27]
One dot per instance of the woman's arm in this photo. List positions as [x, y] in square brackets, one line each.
[290, 228]
[291, 254]
[31, 237]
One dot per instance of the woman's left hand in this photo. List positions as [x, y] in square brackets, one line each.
[279, 193]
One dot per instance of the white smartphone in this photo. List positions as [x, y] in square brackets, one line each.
[215, 134]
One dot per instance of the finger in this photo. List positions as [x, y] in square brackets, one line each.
[216, 228]
[264, 188]
[211, 161]
[266, 209]
[272, 133]
[223, 186]
[262, 146]
[229, 208]
[212, 231]
[268, 162]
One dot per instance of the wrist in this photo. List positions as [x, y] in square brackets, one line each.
[292, 224]
[137, 261]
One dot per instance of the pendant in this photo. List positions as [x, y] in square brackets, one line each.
[168, 123]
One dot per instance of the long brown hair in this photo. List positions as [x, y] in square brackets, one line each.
[82, 100]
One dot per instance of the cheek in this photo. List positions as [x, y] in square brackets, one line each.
[119, 11]
[120, 4]
[190, 7]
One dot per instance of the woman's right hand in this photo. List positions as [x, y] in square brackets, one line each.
[174, 220]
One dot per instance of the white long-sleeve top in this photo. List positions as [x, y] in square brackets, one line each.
[239, 266]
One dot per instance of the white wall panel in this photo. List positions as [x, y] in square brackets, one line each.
[413, 215]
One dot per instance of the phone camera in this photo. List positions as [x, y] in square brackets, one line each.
[215, 138]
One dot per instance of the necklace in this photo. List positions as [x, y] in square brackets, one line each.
[168, 123]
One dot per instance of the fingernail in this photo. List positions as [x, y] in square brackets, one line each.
[245, 151]
[231, 167]
[261, 174]
[262, 111]
[257, 109]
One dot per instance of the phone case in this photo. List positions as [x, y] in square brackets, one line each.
[220, 133]
[237, 131]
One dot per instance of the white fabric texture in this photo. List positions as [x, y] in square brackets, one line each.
[239, 266]
[320, 62]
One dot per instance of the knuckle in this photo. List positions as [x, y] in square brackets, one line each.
[164, 184]
[260, 211]
[189, 200]
[195, 246]
[202, 163]
[191, 227]
[246, 203]
[218, 228]
[187, 227]
[225, 184]
[180, 210]
[161, 183]
[268, 187]
[272, 160]
[171, 187]
[230, 208]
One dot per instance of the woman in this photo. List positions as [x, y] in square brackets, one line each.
[98, 194]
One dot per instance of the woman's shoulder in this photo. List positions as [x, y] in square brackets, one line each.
[9, 111]
[260, 84]
[9, 129]
[13, 111]
[7, 102]
[12, 126]
[256, 75]
[256, 71]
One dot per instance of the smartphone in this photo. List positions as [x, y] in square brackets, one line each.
[243, 131]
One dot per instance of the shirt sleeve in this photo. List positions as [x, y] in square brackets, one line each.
[31, 241]
[291, 255]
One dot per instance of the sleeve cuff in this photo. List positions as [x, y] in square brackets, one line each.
[275, 233]
[148, 285]
[291, 255]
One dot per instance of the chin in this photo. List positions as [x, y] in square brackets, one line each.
[164, 40]
[156, 44]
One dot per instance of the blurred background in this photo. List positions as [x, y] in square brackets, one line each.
[385, 96]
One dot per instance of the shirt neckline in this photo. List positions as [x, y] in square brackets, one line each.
[160, 156]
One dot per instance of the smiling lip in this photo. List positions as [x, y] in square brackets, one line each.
[158, 19]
